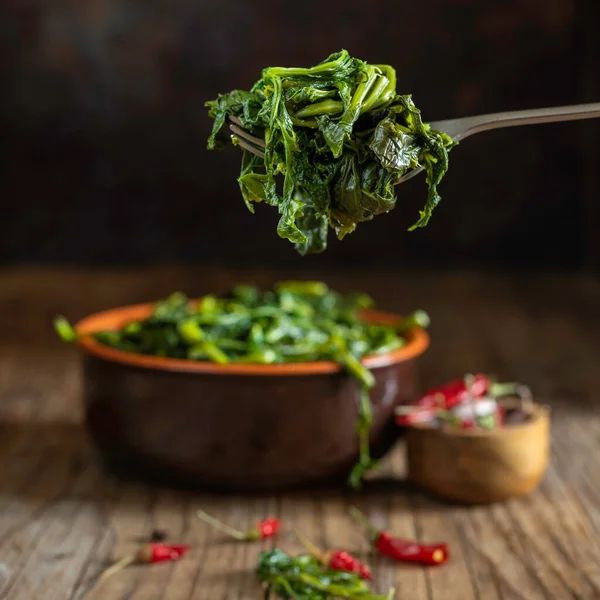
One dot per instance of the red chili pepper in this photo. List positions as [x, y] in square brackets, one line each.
[338, 560]
[403, 550]
[264, 529]
[399, 549]
[152, 552]
[453, 393]
[268, 527]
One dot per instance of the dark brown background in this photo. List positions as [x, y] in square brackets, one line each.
[104, 129]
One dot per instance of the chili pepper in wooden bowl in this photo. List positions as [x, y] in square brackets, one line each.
[263, 530]
[337, 560]
[400, 549]
[451, 393]
[465, 403]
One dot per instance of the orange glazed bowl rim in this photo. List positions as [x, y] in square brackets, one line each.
[417, 341]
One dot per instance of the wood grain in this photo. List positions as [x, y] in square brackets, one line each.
[62, 519]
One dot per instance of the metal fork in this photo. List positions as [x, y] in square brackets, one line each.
[245, 139]
[458, 129]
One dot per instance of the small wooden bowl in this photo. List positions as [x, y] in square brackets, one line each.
[479, 466]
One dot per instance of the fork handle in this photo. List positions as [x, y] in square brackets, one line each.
[471, 125]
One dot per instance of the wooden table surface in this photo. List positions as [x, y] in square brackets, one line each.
[62, 519]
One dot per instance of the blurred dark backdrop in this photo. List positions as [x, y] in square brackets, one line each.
[104, 129]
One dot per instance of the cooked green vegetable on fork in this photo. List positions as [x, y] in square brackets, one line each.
[340, 136]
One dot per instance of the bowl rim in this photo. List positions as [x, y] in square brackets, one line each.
[115, 318]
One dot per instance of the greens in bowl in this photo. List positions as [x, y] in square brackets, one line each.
[293, 322]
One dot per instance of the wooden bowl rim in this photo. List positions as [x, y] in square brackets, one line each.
[537, 411]
[116, 318]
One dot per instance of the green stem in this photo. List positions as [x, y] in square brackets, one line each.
[360, 518]
[417, 319]
[309, 546]
[337, 591]
[390, 91]
[362, 89]
[300, 123]
[365, 420]
[356, 368]
[375, 94]
[325, 107]
[498, 390]
[234, 533]
[190, 331]
[118, 566]
[318, 70]
[64, 329]
[366, 412]
[215, 353]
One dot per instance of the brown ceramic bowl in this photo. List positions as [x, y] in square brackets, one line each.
[235, 427]
[480, 466]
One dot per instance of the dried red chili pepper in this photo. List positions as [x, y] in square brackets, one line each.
[399, 549]
[152, 552]
[406, 551]
[264, 529]
[338, 560]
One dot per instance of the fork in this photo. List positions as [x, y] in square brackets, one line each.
[457, 129]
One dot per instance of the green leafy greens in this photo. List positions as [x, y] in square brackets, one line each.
[296, 321]
[340, 136]
[304, 578]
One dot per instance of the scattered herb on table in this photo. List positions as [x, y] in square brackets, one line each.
[304, 578]
[340, 136]
[400, 549]
[296, 321]
[472, 402]
[263, 530]
[337, 560]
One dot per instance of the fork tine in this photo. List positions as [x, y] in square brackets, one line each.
[245, 139]
[246, 146]
[247, 136]
[410, 175]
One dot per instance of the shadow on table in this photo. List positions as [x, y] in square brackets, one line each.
[54, 461]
